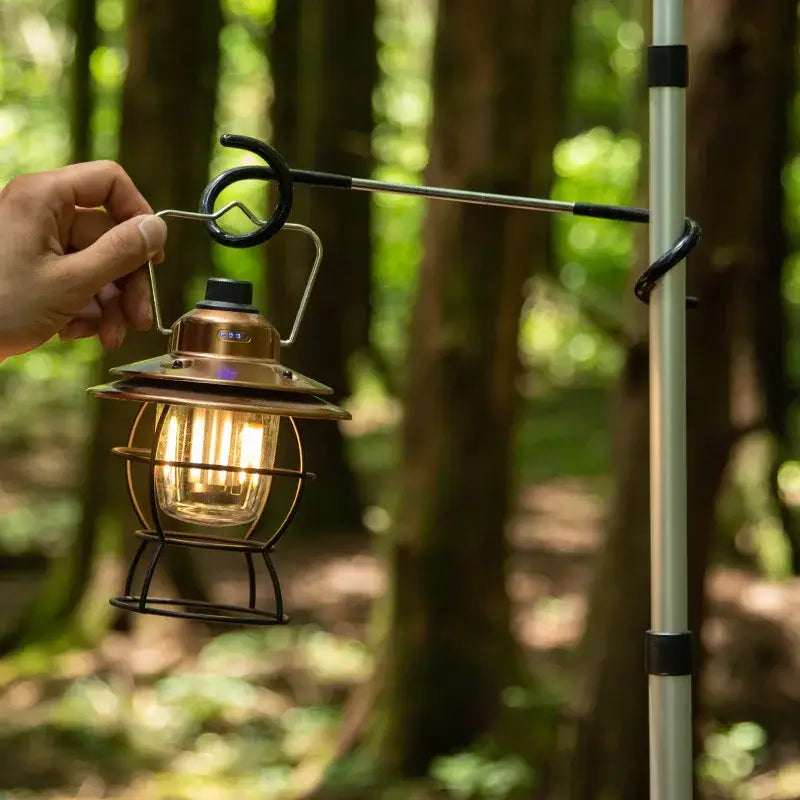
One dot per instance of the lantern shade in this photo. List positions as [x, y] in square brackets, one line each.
[206, 367]
[231, 398]
[223, 371]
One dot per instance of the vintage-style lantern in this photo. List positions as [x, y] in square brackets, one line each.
[217, 401]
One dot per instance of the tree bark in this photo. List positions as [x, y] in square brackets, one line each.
[742, 67]
[84, 26]
[324, 67]
[497, 115]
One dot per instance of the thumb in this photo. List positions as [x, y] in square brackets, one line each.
[117, 252]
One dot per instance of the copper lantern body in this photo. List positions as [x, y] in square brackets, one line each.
[218, 398]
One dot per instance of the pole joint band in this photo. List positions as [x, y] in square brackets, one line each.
[668, 653]
[668, 65]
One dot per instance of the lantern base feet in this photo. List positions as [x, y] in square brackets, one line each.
[204, 541]
[198, 610]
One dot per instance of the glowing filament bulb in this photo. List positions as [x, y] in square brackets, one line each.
[171, 454]
[218, 438]
[223, 454]
[198, 431]
[250, 458]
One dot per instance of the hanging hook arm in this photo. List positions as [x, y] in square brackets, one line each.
[644, 284]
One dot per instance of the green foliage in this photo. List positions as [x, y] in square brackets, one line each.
[29, 529]
[730, 755]
[564, 432]
[244, 95]
[402, 111]
[259, 12]
[326, 657]
[592, 259]
[748, 512]
[478, 776]
[212, 727]
[34, 46]
[605, 78]
[108, 64]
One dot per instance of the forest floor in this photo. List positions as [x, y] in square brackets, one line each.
[170, 712]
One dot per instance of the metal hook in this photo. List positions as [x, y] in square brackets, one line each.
[647, 281]
[212, 217]
[278, 170]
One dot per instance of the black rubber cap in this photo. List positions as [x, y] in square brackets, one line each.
[668, 653]
[228, 294]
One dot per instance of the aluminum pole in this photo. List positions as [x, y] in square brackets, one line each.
[669, 694]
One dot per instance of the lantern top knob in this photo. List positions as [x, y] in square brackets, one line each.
[227, 294]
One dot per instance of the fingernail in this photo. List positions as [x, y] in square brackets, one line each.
[154, 233]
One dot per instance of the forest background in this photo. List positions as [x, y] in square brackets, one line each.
[468, 577]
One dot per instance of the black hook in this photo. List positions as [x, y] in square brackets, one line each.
[278, 171]
[647, 281]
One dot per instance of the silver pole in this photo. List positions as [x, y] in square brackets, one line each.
[669, 695]
[465, 196]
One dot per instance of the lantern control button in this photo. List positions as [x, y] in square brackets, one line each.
[229, 295]
[234, 336]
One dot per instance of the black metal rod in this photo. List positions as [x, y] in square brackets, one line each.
[251, 574]
[132, 571]
[331, 180]
[644, 284]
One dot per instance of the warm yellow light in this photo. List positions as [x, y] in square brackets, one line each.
[222, 438]
[198, 439]
[252, 437]
[171, 448]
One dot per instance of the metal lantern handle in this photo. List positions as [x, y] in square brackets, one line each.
[213, 217]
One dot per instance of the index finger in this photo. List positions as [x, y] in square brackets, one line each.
[102, 183]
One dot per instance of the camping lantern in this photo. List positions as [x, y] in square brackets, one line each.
[217, 400]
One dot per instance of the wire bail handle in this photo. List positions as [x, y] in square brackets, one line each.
[265, 229]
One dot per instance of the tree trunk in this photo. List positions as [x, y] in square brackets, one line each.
[324, 69]
[742, 66]
[84, 26]
[497, 114]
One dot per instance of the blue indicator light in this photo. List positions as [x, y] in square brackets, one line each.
[230, 335]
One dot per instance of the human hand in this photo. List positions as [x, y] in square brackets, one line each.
[68, 266]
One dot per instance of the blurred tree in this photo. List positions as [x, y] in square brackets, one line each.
[741, 87]
[84, 26]
[323, 58]
[167, 125]
[498, 104]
